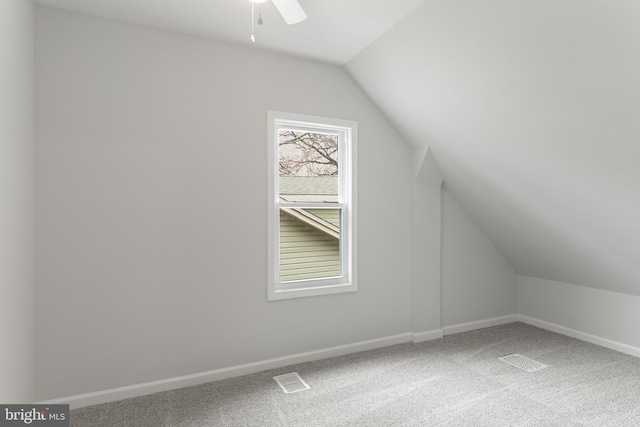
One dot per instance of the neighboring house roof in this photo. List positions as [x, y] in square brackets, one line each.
[309, 188]
[313, 221]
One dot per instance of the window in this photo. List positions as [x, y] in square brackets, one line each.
[312, 206]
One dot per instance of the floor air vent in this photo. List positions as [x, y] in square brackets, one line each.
[291, 383]
[522, 362]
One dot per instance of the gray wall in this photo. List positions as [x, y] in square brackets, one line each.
[604, 317]
[151, 187]
[16, 201]
[477, 282]
[151, 221]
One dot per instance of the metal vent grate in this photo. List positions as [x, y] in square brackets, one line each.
[522, 362]
[291, 383]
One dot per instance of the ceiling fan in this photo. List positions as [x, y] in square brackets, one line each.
[290, 10]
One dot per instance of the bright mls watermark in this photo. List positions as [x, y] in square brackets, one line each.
[34, 415]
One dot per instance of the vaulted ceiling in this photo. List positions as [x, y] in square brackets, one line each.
[334, 32]
[530, 107]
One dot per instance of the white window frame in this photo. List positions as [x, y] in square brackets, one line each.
[347, 282]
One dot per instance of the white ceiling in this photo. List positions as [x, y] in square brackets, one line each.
[334, 32]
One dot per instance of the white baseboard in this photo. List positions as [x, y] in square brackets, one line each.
[427, 336]
[95, 398]
[471, 326]
[583, 336]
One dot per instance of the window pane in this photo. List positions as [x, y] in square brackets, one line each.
[309, 243]
[308, 166]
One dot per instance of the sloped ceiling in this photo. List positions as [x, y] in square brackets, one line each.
[532, 110]
[334, 32]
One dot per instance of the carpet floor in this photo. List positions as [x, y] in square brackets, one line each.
[454, 381]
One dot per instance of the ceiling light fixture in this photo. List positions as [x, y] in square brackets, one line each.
[290, 10]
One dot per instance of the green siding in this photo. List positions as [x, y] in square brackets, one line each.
[332, 216]
[306, 253]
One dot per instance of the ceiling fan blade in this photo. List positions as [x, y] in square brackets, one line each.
[290, 10]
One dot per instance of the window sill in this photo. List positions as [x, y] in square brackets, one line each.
[276, 295]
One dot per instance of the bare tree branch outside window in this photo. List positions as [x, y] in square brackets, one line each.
[308, 154]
